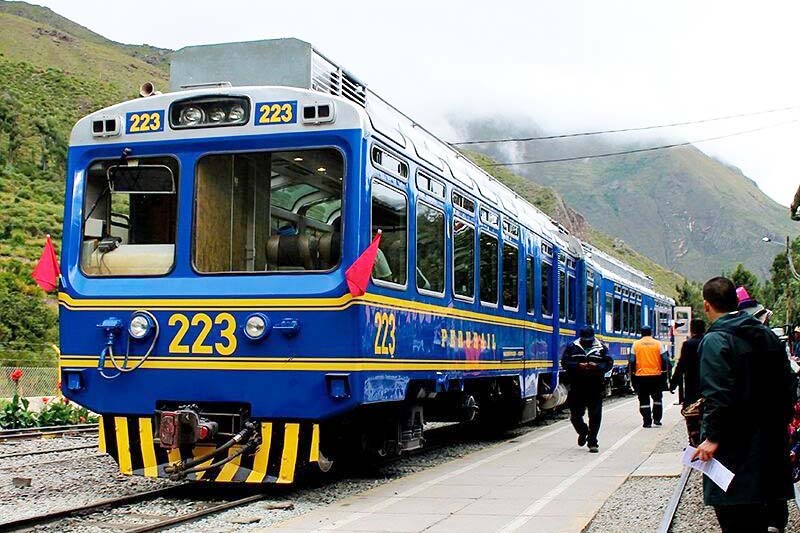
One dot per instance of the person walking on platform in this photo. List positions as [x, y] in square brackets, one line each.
[586, 361]
[687, 373]
[649, 369]
[746, 386]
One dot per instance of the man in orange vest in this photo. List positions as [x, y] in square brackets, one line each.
[649, 366]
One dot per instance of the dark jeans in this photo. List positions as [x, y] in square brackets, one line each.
[742, 518]
[581, 399]
[647, 388]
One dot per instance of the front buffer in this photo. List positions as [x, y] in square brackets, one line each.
[262, 452]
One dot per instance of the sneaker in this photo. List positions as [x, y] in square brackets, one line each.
[582, 439]
[647, 425]
[772, 529]
[594, 448]
[657, 423]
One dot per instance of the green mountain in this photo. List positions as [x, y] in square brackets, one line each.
[679, 207]
[54, 72]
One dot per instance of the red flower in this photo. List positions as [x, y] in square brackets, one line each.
[82, 419]
[45, 399]
[15, 375]
[65, 401]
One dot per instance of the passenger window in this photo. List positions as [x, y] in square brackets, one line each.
[430, 248]
[510, 276]
[572, 298]
[589, 317]
[638, 318]
[547, 287]
[562, 295]
[530, 286]
[617, 315]
[463, 259]
[129, 217]
[273, 211]
[389, 214]
[488, 270]
[609, 313]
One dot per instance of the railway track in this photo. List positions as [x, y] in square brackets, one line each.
[115, 509]
[53, 450]
[674, 501]
[54, 461]
[46, 432]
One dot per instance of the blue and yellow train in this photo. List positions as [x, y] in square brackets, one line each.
[204, 309]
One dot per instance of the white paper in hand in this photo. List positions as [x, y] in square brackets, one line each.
[716, 471]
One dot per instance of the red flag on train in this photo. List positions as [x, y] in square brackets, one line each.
[47, 272]
[358, 274]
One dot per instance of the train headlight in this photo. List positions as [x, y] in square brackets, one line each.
[140, 326]
[191, 116]
[217, 114]
[257, 327]
[209, 112]
[237, 113]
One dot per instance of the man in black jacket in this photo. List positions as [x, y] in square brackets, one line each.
[586, 361]
[687, 373]
[746, 385]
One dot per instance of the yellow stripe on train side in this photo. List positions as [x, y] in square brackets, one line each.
[242, 363]
[313, 456]
[229, 469]
[301, 304]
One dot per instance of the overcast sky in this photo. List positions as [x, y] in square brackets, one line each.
[568, 65]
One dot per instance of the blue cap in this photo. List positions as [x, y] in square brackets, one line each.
[586, 333]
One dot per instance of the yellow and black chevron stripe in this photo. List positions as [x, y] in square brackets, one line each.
[285, 447]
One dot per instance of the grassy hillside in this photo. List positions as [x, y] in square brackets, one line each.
[47, 46]
[679, 207]
[158, 57]
[549, 201]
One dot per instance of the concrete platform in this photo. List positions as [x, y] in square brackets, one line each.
[539, 482]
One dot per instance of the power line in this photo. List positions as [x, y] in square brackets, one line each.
[622, 130]
[640, 150]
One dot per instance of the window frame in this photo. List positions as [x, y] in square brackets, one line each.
[572, 297]
[471, 224]
[271, 272]
[84, 174]
[546, 269]
[381, 282]
[503, 271]
[420, 290]
[379, 166]
[496, 304]
[530, 285]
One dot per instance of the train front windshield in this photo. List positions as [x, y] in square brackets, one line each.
[253, 212]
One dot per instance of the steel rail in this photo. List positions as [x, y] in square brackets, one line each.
[54, 461]
[196, 515]
[674, 501]
[111, 502]
[54, 450]
[45, 431]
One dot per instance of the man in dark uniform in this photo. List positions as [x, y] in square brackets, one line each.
[745, 382]
[586, 361]
[687, 373]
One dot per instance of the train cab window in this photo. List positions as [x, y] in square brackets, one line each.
[546, 288]
[268, 211]
[530, 286]
[463, 259]
[510, 276]
[430, 248]
[617, 314]
[389, 214]
[487, 254]
[572, 297]
[129, 217]
[609, 323]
